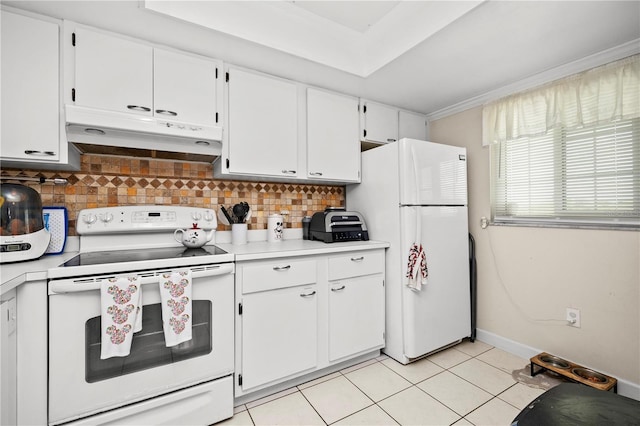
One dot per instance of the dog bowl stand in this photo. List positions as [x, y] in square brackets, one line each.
[555, 364]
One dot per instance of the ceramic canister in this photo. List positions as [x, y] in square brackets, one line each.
[275, 227]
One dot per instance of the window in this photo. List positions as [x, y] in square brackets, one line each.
[550, 168]
[588, 176]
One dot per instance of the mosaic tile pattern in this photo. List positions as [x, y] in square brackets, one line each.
[105, 181]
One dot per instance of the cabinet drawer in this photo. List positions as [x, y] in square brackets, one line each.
[356, 264]
[277, 274]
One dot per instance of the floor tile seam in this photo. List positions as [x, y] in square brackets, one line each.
[478, 407]
[455, 365]
[365, 394]
[498, 396]
[498, 368]
[352, 369]
[386, 412]
[351, 414]
[396, 373]
[470, 382]
[442, 402]
[481, 388]
[312, 406]
[274, 399]
[478, 354]
[253, 422]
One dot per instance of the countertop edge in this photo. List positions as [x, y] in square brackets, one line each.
[261, 250]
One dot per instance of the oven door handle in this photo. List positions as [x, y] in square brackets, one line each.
[153, 277]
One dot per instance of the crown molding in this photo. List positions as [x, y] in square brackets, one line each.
[588, 62]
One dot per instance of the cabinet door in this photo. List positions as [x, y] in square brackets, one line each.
[184, 87]
[333, 146]
[412, 125]
[30, 88]
[279, 334]
[380, 123]
[262, 131]
[113, 73]
[356, 316]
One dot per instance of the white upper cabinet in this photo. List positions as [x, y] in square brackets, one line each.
[30, 90]
[184, 87]
[118, 74]
[333, 146]
[379, 123]
[412, 125]
[113, 73]
[262, 131]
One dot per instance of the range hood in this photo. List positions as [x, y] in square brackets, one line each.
[110, 128]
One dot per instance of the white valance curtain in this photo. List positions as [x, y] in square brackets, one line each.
[601, 95]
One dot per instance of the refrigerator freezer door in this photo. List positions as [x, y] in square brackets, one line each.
[432, 173]
[440, 313]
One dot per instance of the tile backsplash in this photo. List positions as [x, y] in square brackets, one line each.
[105, 181]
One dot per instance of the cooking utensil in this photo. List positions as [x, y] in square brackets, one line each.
[224, 219]
[226, 215]
[238, 212]
[246, 208]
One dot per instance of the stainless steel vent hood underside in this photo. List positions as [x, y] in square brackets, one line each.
[109, 128]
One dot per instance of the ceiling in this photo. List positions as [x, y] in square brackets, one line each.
[425, 56]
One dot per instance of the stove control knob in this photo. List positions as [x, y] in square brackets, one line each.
[89, 218]
[208, 216]
[196, 215]
[106, 217]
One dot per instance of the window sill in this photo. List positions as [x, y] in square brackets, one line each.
[595, 226]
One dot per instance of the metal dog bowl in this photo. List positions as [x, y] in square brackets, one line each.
[555, 361]
[590, 375]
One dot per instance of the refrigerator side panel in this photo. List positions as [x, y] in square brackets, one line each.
[440, 313]
[432, 173]
[377, 199]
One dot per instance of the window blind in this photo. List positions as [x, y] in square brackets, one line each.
[586, 176]
[569, 153]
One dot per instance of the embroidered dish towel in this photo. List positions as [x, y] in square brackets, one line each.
[121, 305]
[417, 271]
[175, 294]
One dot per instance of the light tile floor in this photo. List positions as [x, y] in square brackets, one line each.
[468, 384]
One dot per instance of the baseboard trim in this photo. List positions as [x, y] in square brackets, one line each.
[625, 387]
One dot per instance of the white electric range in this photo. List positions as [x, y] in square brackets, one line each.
[190, 383]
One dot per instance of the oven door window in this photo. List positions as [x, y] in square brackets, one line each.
[148, 349]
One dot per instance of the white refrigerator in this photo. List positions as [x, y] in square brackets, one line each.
[415, 193]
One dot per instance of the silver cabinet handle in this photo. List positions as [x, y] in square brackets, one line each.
[166, 112]
[357, 259]
[390, 140]
[315, 173]
[338, 288]
[289, 172]
[281, 268]
[308, 294]
[138, 108]
[39, 153]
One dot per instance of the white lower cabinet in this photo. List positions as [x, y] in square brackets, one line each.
[279, 334]
[356, 315]
[297, 315]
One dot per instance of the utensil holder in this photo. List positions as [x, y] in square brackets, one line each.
[239, 233]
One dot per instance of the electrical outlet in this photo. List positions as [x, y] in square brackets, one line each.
[573, 317]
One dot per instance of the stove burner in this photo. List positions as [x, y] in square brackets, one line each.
[123, 256]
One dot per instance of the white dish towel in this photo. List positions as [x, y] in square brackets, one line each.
[175, 294]
[121, 310]
[417, 271]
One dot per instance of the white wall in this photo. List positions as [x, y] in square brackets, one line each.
[528, 276]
